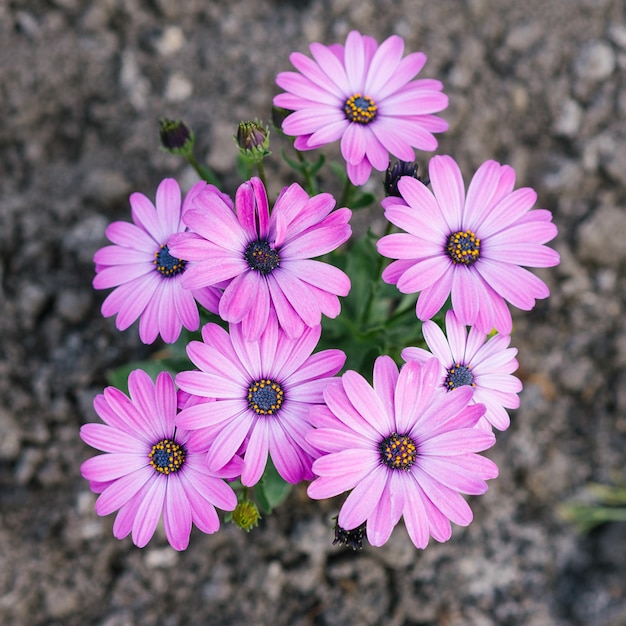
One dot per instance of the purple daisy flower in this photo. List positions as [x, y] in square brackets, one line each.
[471, 247]
[402, 448]
[471, 360]
[146, 276]
[364, 95]
[265, 259]
[152, 468]
[262, 393]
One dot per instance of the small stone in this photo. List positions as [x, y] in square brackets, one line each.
[524, 36]
[27, 465]
[595, 62]
[178, 88]
[61, 602]
[617, 34]
[601, 237]
[133, 82]
[161, 557]
[72, 306]
[10, 440]
[107, 186]
[32, 300]
[568, 122]
[170, 41]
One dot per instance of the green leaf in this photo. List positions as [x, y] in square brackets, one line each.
[119, 376]
[271, 490]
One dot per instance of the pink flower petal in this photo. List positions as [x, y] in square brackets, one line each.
[363, 499]
[149, 513]
[449, 189]
[177, 516]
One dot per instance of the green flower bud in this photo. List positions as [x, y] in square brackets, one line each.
[246, 515]
[253, 139]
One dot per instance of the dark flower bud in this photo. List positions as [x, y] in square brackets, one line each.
[278, 116]
[253, 139]
[395, 173]
[350, 538]
[176, 137]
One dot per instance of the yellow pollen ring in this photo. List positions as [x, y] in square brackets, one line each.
[360, 109]
[398, 451]
[463, 247]
[167, 456]
[265, 390]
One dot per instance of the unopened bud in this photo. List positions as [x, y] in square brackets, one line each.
[253, 139]
[395, 173]
[176, 137]
[246, 515]
[351, 538]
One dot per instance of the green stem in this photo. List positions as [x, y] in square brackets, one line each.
[367, 311]
[261, 170]
[347, 193]
[309, 181]
[204, 172]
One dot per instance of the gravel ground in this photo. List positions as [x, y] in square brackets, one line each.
[539, 84]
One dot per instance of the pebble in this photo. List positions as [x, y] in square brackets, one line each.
[10, 440]
[524, 36]
[595, 62]
[569, 119]
[617, 34]
[133, 82]
[161, 557]
[170, 41]
[601, 237]
[178, 88]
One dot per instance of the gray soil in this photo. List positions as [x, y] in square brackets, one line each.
[538, 84]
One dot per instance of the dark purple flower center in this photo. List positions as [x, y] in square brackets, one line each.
[265, 396]
[459, 376]
[398, 452]
[351, 538]
[166, 264]
[261, 257]
[360, 109]
[463, 247]
[167, 456]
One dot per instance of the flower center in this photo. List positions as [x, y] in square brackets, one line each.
[261, 257]
[167, 456]
[360, 109]
[265, 396]
[166, 264]
[459, 376]
[463, 247]
[398, 451]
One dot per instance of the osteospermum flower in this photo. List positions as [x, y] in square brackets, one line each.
[266, 259]
[152, 468]
[470, 359]
[262, 393]
[146, 277]
[469, 246]
[402, 449]
[362, 94]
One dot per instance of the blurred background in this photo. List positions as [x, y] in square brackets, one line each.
[539, 84]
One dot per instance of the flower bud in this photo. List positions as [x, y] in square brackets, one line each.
[253, 139]
[350, 538]
[246, 515]
[395, 173]
[176, 137]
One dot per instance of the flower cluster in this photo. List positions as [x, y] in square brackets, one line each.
[256, 395]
